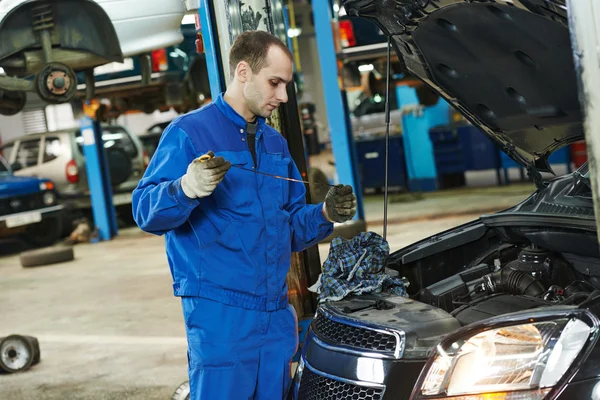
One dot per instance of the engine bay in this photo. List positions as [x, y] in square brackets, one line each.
[504, 278]
[535, 278]
[542, 253]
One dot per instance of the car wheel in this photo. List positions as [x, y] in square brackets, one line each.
[37, 353]
[44, 233]
[182, 392]
[47, 256]
[126, 214]
[16, 354]
[56, 83]
[12, 103]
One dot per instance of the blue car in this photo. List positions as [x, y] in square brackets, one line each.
[30, 208]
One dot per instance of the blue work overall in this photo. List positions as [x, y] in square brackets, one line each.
[229, 253]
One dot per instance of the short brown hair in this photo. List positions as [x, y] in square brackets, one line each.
[252, 47]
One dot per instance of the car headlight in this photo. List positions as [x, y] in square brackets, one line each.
[49, 198]
[512, 362]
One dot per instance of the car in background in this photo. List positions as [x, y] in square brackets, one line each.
[59, 156]
[151, 137]
[29, 208]
[52, 41]
[179, 80]
[508, 305]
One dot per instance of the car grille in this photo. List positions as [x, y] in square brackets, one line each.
[348, 335]
[21, 203]
[318, 387]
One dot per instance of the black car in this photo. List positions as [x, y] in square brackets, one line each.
[504, 307]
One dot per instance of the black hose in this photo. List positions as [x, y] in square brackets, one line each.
[574, 298]
[576, 287]
[591, 297]
[514, 282]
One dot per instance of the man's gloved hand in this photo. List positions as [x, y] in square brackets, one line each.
[202, 177]
[340, 204]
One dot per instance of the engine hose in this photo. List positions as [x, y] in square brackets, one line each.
[574, 298]
[514, 282]
[591, 296]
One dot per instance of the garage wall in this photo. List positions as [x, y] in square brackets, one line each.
[11, 127]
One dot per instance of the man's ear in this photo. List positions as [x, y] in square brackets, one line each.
[242, 71]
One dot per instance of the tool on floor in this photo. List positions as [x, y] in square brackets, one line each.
[209, 155]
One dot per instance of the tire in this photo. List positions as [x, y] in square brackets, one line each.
[182, 392]
[12, 103]
[47, 256]
[119, 164]
[37, 354]
[318, 185]
[16, 354]
[44, 233]
[126, 214]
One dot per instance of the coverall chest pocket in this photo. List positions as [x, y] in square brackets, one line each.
[237, 190]
[280, 166]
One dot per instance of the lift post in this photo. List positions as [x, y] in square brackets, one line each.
[344, 149]
[584, 24]
[98, 174]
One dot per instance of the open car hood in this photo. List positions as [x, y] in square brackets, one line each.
[506, 65]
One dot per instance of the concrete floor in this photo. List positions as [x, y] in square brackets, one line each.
[109, 327]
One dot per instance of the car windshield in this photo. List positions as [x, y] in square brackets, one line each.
[114, 137]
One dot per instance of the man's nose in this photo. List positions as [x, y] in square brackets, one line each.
[281, 94]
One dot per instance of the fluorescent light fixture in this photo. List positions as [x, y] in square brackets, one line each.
[365, 67]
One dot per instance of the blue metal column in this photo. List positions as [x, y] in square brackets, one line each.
[342, 140]
[98, 177]
[211, 50]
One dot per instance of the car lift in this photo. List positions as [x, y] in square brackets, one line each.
[98, 175]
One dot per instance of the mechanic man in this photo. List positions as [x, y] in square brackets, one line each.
[230, 232]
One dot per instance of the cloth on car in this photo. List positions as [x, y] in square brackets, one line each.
[357, 266]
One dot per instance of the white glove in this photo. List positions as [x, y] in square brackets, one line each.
[202, 177]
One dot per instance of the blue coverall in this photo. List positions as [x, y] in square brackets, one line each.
[229, 253]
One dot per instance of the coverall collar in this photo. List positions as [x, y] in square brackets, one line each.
[233, 115]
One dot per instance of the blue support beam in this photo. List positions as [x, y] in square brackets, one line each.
[98, 177]
[211, 49]
[344, 150]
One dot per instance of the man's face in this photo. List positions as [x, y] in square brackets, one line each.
[265, 90]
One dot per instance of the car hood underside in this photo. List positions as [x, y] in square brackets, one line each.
[507, 65]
